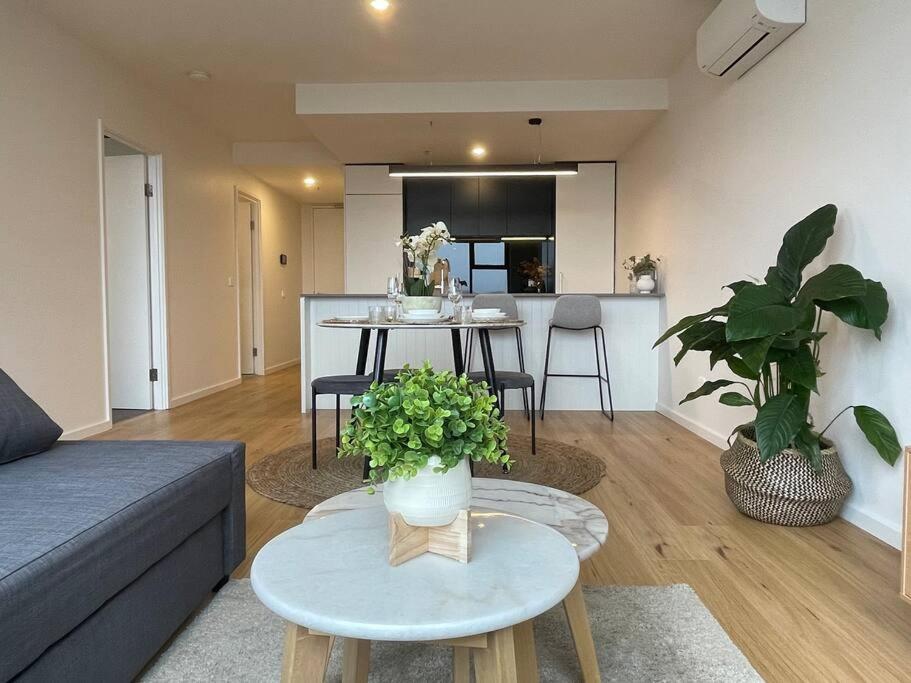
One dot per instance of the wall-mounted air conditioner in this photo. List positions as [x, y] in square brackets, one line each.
[741, 32]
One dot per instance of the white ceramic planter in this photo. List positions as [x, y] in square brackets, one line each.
[430, 498]
[422, 303]
[645, 284]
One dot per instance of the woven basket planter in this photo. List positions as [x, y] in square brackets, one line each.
[784, 490]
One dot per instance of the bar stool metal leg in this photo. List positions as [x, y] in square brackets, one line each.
[534, 445]
[338, 421]
[606, 377]
[313, 429]
[522, 369]
[550, 331]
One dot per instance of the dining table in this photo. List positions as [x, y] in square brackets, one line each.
[382, 329]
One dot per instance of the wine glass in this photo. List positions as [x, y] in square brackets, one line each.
[454, 292]
[392, 288]
[393, 292]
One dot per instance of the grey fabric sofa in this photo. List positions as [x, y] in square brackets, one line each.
[106, 547]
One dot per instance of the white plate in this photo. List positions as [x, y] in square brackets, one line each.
[495, 319]
[488, 312]
[426, 321]
[351, 318]
[424, 314]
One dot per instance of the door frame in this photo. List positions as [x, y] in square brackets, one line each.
[259, 343]
[161, 397]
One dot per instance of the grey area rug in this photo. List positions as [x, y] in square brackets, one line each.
[653, 633]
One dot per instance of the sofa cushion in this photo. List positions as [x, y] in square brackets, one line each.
[81, 521]
[25, 429]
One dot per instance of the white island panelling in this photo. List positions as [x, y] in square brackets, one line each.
[631, 324]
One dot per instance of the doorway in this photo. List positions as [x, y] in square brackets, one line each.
[133, 278]
[249, 285]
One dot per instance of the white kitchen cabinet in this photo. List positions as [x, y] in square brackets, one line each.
[585, 224]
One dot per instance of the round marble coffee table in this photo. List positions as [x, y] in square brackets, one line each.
[330, 576]
[583, 525]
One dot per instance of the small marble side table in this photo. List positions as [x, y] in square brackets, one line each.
[583, 525]
[330, 576]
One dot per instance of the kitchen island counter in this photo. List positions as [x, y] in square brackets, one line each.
[631, 323]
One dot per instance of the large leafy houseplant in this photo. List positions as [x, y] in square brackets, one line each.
[769, 333]
[399, 425]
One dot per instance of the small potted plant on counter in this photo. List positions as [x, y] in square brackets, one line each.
[419, 432]
[535, 273]
[420, 251]
[780, 468]
[643, 273]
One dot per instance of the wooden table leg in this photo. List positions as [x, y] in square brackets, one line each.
[526, 657]
[306, 655]
[579, 626]
[497, 662]
[356, 661]
[461, 665]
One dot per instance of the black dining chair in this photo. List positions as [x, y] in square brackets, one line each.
[339, 385]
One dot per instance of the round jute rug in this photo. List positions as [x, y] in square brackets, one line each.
[286, 476]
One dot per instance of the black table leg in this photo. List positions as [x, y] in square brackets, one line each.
[379, 355]
[361, 366]
[457, 360]
[487, 354]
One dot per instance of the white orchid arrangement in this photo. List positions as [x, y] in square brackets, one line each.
[422, 251]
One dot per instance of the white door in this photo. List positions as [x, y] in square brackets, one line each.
[245, 235]
[328, 250]
[127, 254]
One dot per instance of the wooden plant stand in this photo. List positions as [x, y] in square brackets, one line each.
[407, 542]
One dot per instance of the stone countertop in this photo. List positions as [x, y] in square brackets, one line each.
[518, 295]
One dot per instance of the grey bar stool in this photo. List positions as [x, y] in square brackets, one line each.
[579, 312]
[507, 379]
[507, 304]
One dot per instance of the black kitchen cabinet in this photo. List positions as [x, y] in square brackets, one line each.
[530, 207]
[465, 213]
[481, 207]
[493, 206]
[426, 201]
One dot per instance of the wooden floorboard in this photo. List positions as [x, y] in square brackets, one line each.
[803, 604]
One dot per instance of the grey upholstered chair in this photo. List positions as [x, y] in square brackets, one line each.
[507, 379]
[579, 312]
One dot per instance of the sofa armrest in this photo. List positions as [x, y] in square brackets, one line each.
[234, 517]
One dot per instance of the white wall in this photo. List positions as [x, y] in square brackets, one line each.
[373, 223]
[329, 249]
[307, 271]
[54, 90]
[714, 185]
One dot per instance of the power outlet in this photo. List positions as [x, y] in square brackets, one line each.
[230, 281]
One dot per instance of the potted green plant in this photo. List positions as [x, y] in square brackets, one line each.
[781, 468]
[419, 432]
[420, 252]
[642, 273]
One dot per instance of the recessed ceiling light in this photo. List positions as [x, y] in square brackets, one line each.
[380, 5]
[310, 181]
[199, 75]
[478, 151]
